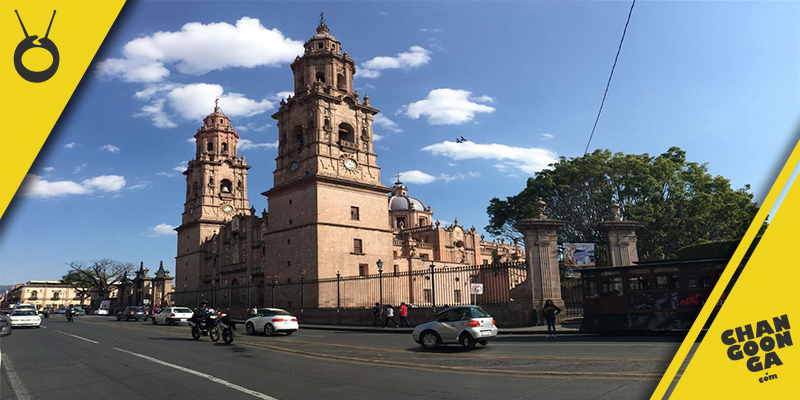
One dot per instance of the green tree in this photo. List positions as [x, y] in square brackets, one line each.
[96, 279]
[680, 203]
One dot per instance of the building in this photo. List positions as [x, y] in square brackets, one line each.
[329, 214]
[44, 294]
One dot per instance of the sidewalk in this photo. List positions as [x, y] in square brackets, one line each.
[569, 327]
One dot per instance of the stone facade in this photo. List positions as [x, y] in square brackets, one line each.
[328, 213]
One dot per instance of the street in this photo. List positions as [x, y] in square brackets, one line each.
[97, 357]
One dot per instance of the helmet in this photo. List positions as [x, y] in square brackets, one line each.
[204, 303]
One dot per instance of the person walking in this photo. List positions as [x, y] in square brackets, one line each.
[389, 316]
[253, 312]
[550, 311]
[376, 314]
[404, 314]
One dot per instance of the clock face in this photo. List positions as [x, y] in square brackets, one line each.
[294, 166]
[227, 208]
[350, 164]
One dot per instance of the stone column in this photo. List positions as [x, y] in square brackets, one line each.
[622, 240]
[541, 252]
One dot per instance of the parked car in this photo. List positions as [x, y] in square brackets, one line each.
[5, 326]
[5, 311]
[102, 311]
[270, 321]
[172, 315]
[132, 313]
[79, 311]
[464, 325]
[25, 317]
[61, 310]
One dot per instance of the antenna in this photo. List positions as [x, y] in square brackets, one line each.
[48, 26]
[23, 25]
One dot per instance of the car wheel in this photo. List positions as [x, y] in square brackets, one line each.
[154, 322]
[430, 340]
[167, 321]
[467, 341]
[269, 330]
[250, 329]
[484, 342]
[195, 333]
[289, 333]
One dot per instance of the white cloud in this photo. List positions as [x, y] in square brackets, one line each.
[191, 51]
[163, 230]
[511, 159]
[430, 30]
[251, 127]
[385, 123]
[141, 185]
[193, 102]
[70, 145]
[416, 56]
[547, 136]
[34, 185]
[376, 137]
[416, 176]
[459, 176]
[282, 95]
[48, 169]
[181, 166]
[111, 148]
[79, 168]
[247, 144]
[448, 107]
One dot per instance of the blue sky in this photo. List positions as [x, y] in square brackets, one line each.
[521, 80]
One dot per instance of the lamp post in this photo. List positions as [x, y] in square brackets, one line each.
[274, 284]
[302, 290]
[380, 281]
[433, 289]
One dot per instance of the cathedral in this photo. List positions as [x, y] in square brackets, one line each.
[328, 211]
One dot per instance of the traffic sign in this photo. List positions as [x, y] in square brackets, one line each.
[476, 288]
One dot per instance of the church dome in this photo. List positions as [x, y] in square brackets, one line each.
[400, 200]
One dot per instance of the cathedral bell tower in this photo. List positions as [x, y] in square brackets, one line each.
[327, 203]
[216, 190]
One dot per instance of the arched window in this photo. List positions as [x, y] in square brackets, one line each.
[341, 82]
[210, 146]
[346, 133]
[194, 189]
[211, 181]
[301, 83]
[298, 135]
[320, 77]
[224, 147]
[225, 186]
[34, 295]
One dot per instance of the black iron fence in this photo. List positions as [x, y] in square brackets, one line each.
[432, 287]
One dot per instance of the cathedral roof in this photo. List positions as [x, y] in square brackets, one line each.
[400, 200]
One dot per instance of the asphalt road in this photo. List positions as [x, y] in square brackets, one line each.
[99, 357]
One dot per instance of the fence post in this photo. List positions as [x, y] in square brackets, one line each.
[338, 298]
[302, 291]
[433, 289]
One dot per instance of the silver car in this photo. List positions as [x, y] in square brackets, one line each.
[464, 325]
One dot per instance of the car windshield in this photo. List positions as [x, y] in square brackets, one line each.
[181, 310]
[24, 312]
[134, 308]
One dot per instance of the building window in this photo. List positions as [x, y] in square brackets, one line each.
[341, 82]
[400, 222]
[34, 295]
[224, 148]
[485, 262]
[298, 135]
[396, 269]
[357, 246]
[56, 296]
[423, 257]
[225, 186]
[426, 295]
[210, 146]
[363, 269]
[320, 75]
[319, 45]
[346, 133]
[457, 296]
[354, 214]
[422, 222]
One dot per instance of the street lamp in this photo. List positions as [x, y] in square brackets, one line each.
[302, 290]
[274, 284]
[380, 280]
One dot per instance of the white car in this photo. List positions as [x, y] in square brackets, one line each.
[101, 311]
[270, 321]
[172, 315]
[25, 317]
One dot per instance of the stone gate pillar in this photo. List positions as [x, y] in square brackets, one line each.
[541, 253]
[622, 240]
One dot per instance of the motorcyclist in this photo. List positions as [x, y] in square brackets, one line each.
[201, 314]
[70, 312]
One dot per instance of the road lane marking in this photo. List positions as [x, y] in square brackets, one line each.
[14, 381]
[200, 374]
[78, 337]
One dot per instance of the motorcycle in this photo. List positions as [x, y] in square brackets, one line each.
[203, 324]
[223, 328]
[71, 316]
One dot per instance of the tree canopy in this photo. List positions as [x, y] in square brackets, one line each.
[680, 203]
[98, 277]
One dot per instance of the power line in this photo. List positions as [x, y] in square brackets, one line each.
[609, 77]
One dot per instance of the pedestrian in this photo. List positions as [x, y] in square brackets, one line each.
[376, 314]
[254, 311]
[389, 316]
[550, 311]
[404, 314]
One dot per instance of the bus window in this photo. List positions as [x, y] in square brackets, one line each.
[591, 287]
[636, 283]
[667, 282]
[611, 286]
